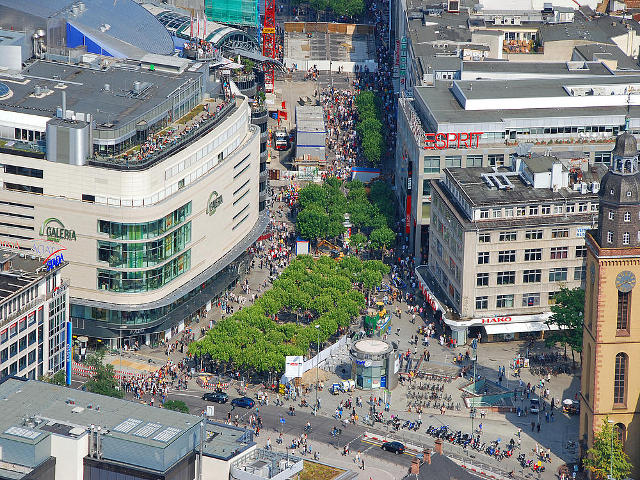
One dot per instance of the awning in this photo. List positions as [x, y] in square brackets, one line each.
[518, 327]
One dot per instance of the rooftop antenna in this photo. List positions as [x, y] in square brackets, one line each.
[628, 115]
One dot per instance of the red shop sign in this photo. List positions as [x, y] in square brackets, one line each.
[440, 141]
[496, 320]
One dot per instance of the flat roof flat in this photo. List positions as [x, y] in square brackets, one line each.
[551, 68]
[86, 92]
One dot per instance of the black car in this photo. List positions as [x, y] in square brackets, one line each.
[218, 397]
[244, 402]
[395, 447]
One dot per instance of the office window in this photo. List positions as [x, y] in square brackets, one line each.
[531, 276]
[558, 253]
[484, 238]
[560, 233]
[495, 160]
[497, 213]
[558, 209]
[558, 275]
[624, 308]
[582, 207]
[602, 157]
[13, 349]
[552, 298]
[610, 236]
[521, 211]
[627, 216]
[482, 303]
[581, 251]
[506, 278]
[504, 301]
[570, 208]
[620, 378]
[626, 237]
[530, 299]
[474, 160]
[533, 210]
[484, 213]
[546, 209]
[431, 164]
[507, 256]
[508, 236]
[533, 235]
[483, 258]
[580, 273]
[482, 279]
[508, 212]
[453, 161]
[532, 254]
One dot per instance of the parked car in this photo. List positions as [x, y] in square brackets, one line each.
[394, 447]
[244, 402]
[218, 397]
[535, 405]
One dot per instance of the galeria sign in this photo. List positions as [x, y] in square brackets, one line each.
[55, 230]
[440, 141]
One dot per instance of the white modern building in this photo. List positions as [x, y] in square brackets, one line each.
[152, 188]
[34, 314]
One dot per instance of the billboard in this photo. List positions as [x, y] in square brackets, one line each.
[293, 366]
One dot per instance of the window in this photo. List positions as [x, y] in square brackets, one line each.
[507, 256]
[559, 252]
[546, 209]
[483, 258]
[602, 157]
[624, 308]
[558, 209]
[531, 276]
[581, 251]
[580, 273]
[532, 254]
[482, 303]
[504, 301]
[484, 238]
[23, 171]
[508, 236]
[521, 211]
[552, 298]
[582, 207]
[533, 234]
[620, 378]
[496, 160]
[474, 160]
[612, 214]
[560, 233]
[482, 279]
[497, 212]
[626, 237]
[621, 433]
[558, 275]
[533, 210]
[484, 213]
[530, 299]
[627, 216]
[508, 212]
[571, 208]
[610, 236]
[431, 164]
[453, 161]
[506, 278]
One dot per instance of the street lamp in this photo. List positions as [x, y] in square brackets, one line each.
[317, 363]
[611, 451]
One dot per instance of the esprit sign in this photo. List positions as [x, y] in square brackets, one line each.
[213, 203]
[496, 320]
[55, 230]
[441, 141]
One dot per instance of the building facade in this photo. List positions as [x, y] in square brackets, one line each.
[34, 316]
[152, 189]
[611, 339]
[503, 242]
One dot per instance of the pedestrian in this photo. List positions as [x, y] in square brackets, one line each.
[538, 427]
[362, 464]
[533, 426]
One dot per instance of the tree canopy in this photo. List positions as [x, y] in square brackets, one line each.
[282, 322]
[601, 459]
[176, 406]
[568, 315]
[369, 126]
[104, 380]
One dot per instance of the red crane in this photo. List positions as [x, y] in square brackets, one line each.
[269, 43]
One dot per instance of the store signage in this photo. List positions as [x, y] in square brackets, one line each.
[496, 320]
[52, 263]
[9, 244]
[441, 141]
[69, 352]
[408, 215]
[55, 230]
[215, 200]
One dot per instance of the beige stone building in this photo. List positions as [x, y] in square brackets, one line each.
[611, 340]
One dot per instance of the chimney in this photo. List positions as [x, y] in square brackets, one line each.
[91, 440]
[427, 456]
[438, 446]
[415, 466]
[64, 105]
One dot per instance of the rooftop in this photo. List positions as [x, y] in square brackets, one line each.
[17, 272]
[310, 118]
[538, 68]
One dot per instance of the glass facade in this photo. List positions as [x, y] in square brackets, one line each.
[143, 281]
[144, 254]
[141, 231]
[374, 376]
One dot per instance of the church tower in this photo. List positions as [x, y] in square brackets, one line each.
[611, 340]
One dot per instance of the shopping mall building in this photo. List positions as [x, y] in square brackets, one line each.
[149, 187]
[483, 123]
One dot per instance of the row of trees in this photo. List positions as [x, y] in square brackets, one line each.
[322, 209]
[348, 8]
[369, 126]
[308, 292]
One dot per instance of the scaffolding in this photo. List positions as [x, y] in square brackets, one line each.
[232, 12]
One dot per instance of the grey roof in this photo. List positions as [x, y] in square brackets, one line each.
[86, 93]
[579, 30]
[18, 272]
[471, 184]
[626, 145]
[540, 163]
[310, 118]
[441, 467]
[542, 68]
[128, 21]
[599, 51]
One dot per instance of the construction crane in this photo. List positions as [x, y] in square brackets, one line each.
[269, 43]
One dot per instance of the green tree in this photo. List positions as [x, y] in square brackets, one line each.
[358, 240]
[568, 315]
[312, 224]
[601, 460]
[312, 194]
[382, 238]
[103, 381]
[58, 378]
[176, 406]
